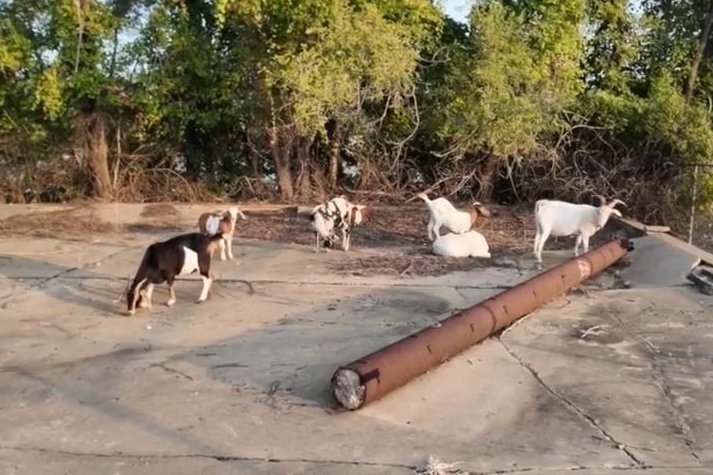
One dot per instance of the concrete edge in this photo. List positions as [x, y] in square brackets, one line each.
[638, 229]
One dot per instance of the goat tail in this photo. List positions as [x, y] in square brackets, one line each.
[538, 206]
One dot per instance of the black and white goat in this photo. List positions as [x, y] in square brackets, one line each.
[163, 261]
[337, 214]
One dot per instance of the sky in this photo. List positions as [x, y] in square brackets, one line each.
[457, 9]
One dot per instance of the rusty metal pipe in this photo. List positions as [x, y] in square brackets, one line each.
[369, 378]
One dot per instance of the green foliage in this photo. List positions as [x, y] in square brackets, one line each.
[684, 127]
[611, 49]
[240, 87]
[507, 89]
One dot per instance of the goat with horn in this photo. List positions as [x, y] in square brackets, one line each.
[560, 218]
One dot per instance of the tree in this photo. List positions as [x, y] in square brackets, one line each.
[324, 62]
[509, 85]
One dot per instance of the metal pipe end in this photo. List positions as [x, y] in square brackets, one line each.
[624, 239]
[347, 388]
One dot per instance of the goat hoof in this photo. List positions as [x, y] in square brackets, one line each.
[200, 300]
[170, 303]
[130, 313]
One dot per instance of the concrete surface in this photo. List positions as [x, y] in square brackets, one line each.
[601, 380]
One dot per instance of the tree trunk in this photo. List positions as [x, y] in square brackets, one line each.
[700, 50]
[281, 157]
[302, 166]
[486, 176]
[97, 152]
[333, 134]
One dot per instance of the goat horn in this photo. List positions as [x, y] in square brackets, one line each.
[482, 209]
[615, 202]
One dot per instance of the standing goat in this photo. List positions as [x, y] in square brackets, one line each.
[560, 218]
[337, 214]
[222, 222]
[443, 213]
[163, 261]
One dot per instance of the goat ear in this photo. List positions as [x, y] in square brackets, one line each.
[601, 199]
[481, 209]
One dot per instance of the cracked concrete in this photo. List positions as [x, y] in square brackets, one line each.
[239, 384]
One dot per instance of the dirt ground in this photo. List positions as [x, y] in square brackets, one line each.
[397, 234]
[607, 378]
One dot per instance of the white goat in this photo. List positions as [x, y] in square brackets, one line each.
[560, 218]
[443, 213]
[467, 244]
[337, 213]
[224, 223]
[323, 217]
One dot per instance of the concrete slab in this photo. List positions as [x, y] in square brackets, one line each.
[594, 382]
[660, 262]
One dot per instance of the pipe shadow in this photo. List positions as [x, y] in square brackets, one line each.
[295, 358]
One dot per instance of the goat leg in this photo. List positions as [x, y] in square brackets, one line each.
[222, 249]
[577, 243]
[207, 281]
[145, 301]
[229, 244]
[171, 295]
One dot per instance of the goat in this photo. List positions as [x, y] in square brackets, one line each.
[560, 218]
[467, 244]
[223, 222]
[163, 261]
[337, 214]
[443, 213]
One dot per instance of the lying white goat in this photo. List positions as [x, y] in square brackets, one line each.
[467, 244]
[560, 218]
[443, 213]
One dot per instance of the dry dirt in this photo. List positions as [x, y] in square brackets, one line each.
[70, 224]
[396, 233]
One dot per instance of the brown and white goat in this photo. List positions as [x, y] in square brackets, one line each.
[163, 261]
[337, 214]
[443, 213]
[222, 222]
